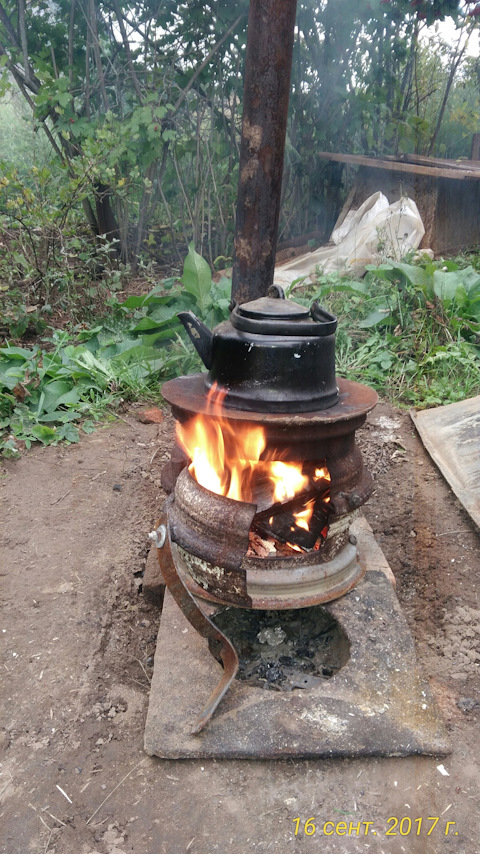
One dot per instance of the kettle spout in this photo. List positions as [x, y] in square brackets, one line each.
[199, 334]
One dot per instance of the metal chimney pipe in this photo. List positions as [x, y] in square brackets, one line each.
[268, 67]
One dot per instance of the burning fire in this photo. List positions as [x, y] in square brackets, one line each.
[225, 459]
[287, 480]
[302, 518]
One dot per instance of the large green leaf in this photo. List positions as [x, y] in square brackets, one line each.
[162, 313]
[59, 416]
[58, 392]
[138, 354]
[18, 352]
[68, 432]
[11, 373]
[147, 324]
[46, 435]
[470, 280]
[417, 276]
[152, 298]
[125, 344]
[197, 278]
[445, 285]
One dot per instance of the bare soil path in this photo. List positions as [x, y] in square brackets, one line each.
[78, 641]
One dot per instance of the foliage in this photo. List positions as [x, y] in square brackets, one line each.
[410, 330]
[141, 106]
[45, 393]
[20, 146]
[16, 318]
[121, 93]
[47, 260]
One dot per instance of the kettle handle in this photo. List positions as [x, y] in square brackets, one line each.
[327, 320]
[276, 292]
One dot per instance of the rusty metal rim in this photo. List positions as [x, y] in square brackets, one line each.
[295, 571]
[345, 584]
[189, 394]
[275, 590]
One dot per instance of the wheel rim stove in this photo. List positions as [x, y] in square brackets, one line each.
[321, 576]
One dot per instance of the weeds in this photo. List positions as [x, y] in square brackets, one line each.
[49, 393]
[410, 330]
[48, 264]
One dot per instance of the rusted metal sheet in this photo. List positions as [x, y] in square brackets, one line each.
[187, 396]
[451, 435]
[200, 621]
[271, 26]
[208, 529]
[280, 583]
[210, 526]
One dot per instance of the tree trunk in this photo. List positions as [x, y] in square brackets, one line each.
[266, 93]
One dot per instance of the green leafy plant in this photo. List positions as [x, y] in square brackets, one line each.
[156, 313]
[45, 394]
[48, 394]
[410, 330]
[48, 259]
[18, 319]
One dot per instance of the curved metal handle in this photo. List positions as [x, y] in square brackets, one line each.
[320, 315]
[200, 622]
[276, 292]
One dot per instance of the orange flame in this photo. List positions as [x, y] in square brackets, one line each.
[302, 518]
[224, 456]
[287, 480]
[225, 459]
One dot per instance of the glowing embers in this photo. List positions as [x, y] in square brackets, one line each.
[231, 459]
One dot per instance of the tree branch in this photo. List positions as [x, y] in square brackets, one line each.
[71, 25]
[126, 45]
[96, 52]
[453, 70]
[9, 28]
[205, 62]
[23, 41]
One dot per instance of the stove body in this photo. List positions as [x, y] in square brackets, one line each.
[211, 532]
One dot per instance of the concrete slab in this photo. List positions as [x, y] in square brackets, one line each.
[376, 705]
[451, 435]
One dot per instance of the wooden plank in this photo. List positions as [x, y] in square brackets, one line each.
[442, 162]
[451, 435]
[462, 165]
[396, 166]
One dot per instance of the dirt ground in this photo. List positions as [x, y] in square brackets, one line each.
[78, 644]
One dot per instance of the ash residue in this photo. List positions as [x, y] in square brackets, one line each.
[284, 650]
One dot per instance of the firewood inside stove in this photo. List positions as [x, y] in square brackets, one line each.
[279, 521]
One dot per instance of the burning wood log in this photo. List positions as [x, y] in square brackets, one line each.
[301, 521]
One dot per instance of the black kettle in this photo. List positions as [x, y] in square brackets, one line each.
[273, 355]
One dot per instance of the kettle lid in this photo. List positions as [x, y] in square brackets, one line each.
[275, 315]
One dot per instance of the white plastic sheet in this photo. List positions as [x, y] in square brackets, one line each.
[374, 233]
